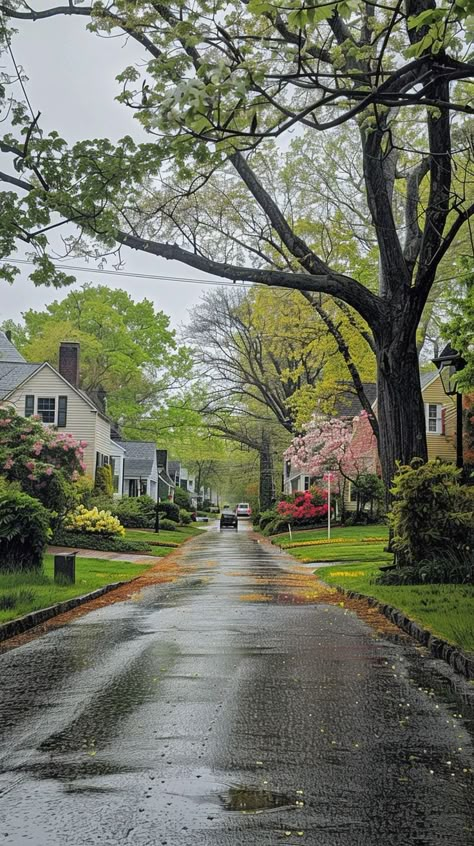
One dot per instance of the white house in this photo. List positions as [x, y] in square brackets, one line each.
[140, 474]
[55, 397]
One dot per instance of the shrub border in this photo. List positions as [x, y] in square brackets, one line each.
[35, 618]
[439, 648]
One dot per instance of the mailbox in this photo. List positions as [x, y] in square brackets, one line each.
[65, 568]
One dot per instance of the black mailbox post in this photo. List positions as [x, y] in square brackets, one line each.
[65, 568]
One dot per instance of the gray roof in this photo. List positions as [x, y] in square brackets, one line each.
[7, 351]
[173, 468]
[166, 479]
[427, 377]
[140, 458]
[14, 373]
[348, 403]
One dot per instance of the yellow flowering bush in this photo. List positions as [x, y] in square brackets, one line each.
[94, 521]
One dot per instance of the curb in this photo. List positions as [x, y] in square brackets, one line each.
[439, 648]
[35, 618]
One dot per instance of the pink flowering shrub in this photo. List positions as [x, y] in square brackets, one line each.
[42, 460]
[304, 507]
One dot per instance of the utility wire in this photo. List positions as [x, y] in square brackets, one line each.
[125, 273]
[187, 279]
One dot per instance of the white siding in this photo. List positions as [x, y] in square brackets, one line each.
[81, 418]
[102, 436]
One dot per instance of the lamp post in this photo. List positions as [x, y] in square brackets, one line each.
[448, 363]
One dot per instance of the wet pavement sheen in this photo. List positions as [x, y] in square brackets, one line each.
[226, 710]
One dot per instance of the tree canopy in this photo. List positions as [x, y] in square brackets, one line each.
[223, 90]
[128, 350]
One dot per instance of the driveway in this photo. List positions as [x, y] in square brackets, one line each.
[241, 705]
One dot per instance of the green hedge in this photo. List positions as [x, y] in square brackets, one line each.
[24, 531]
[168, 525]
[89, 541]
[169, 509]
[135, 512]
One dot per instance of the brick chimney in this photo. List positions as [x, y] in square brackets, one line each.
[69, 361]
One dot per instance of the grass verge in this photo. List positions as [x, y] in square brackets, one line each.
[354, 543]
[445, 610]
[21, 593]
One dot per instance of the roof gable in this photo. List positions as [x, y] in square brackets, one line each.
[8, 352]
[140, 458]
[13, 374]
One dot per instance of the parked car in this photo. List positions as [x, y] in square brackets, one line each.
[228, 518]
[243, 510]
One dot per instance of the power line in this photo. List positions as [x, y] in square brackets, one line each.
[125, 273]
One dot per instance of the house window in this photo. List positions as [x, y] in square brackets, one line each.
[62, 411]
[143, 487]
[433, 412]
[47, 409]
[133, 487]
[29, 405]
[306, 483]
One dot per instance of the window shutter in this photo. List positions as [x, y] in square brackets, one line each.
[443, 421]
[62, 411]
[29, 405]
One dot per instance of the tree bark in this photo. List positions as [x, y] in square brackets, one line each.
[400, 407]
[267, 488]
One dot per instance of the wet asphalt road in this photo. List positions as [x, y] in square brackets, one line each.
[197, 713]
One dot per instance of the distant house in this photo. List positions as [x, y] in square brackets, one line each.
[187, 481]
[166, 485]
[440, 416]
[140, 475]
[174, 470]
[56, 398]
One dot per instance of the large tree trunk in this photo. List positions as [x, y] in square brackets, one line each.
[400, 408]
[267, 488]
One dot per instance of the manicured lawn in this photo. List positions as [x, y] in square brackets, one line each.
[446, 610]
[364, 543]
[356, 532]
[25, 592]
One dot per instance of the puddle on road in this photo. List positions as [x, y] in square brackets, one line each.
[255, 800]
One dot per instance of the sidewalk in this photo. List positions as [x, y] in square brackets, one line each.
[109, 556]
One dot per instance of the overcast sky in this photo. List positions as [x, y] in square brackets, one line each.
[71, 81]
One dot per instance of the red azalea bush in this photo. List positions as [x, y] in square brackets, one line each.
[42, 460]
[304, 507]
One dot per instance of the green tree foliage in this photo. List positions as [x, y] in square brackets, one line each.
[127, 348]
[459, 329]
[218, 89]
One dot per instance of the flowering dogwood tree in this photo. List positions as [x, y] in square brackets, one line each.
[346, 447]
[41, 459]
